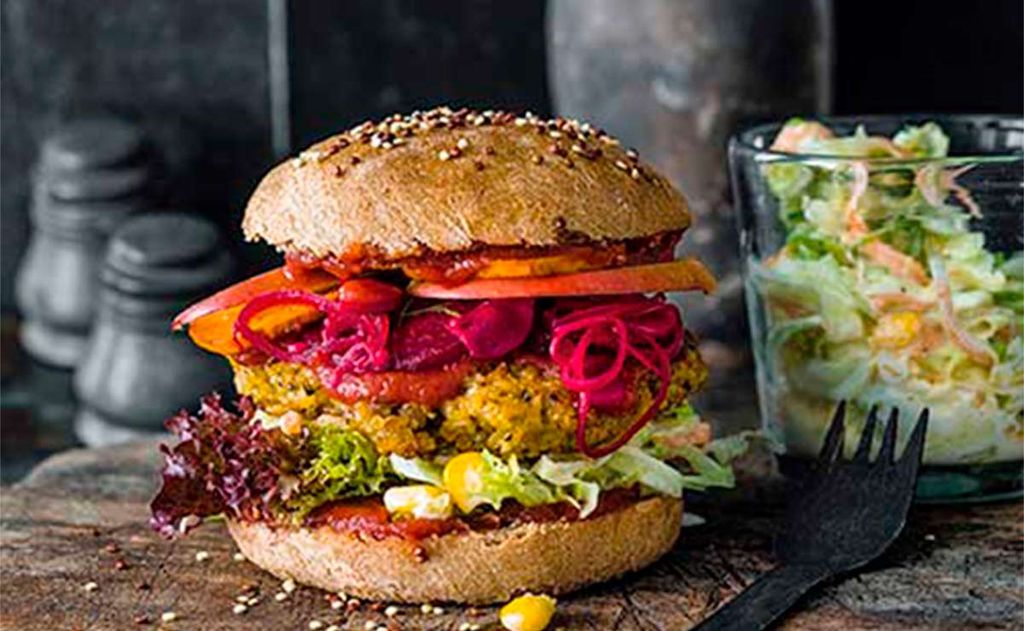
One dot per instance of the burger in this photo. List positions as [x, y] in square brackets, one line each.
[465, 381]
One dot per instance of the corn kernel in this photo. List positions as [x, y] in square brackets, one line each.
[896, 330]
[291, 423]
[420, 500]
[528, 613]
[463, 481]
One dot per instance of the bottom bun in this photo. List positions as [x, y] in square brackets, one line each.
[476, 567]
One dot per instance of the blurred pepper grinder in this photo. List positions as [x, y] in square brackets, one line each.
[135, 372]
[674, 79]
[92, 175]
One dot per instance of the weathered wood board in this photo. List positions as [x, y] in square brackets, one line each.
[80, 517]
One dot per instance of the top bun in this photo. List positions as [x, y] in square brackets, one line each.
[450, 181]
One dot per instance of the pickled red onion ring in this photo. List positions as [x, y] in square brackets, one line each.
[647, 330]
[273, 299]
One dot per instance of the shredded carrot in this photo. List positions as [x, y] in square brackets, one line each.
[792, 137]
[856, 227]
[900, 264]
[927, 182]
[967, 342]
[961, 193]
[933, 188]
[898, 300]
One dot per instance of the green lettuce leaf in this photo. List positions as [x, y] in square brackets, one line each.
[344, 464]
[416, 469]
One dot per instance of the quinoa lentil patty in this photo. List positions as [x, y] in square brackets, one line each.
[508, 408]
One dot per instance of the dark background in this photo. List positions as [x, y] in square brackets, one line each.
[200, 74]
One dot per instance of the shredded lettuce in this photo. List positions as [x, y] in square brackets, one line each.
[416, 469]
[924, 141]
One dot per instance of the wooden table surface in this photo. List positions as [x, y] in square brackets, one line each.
[80, 517]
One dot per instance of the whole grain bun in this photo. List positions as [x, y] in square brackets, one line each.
[474, 567]
[445, 181]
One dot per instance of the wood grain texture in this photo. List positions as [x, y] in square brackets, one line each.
[954, 568]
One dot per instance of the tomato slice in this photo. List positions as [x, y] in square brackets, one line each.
[681, 275]
[314, 280]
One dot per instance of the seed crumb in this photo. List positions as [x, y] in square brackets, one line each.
[462, 144]
[141, 619]
[369, 625]
[240, 608]
[91, 586]
[315, 624]
[288, 586]
[929, 537]
[252, 602]
[391, 611]
[168, 616]
[443, 155]
[464, 626]
[202, 555]
[279, 596]
[332, 627]
[337, 604]
[238, 556]
[438, 611]
[426, 607]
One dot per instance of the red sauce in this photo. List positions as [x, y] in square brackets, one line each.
[429, 387]
[458, 267]
[368, 517]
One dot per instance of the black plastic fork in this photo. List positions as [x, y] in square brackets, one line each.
[843, 515]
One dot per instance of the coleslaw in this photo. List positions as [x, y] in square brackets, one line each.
[885, 293]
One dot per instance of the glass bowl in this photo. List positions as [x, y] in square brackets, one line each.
[891, 281]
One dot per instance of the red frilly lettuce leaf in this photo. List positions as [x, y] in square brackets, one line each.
[224, 463]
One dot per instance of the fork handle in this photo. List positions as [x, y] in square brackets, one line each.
[766, 599]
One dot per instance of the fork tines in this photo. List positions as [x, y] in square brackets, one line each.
[832, 447]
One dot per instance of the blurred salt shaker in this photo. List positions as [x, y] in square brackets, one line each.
[91, 176]
[136, 372]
